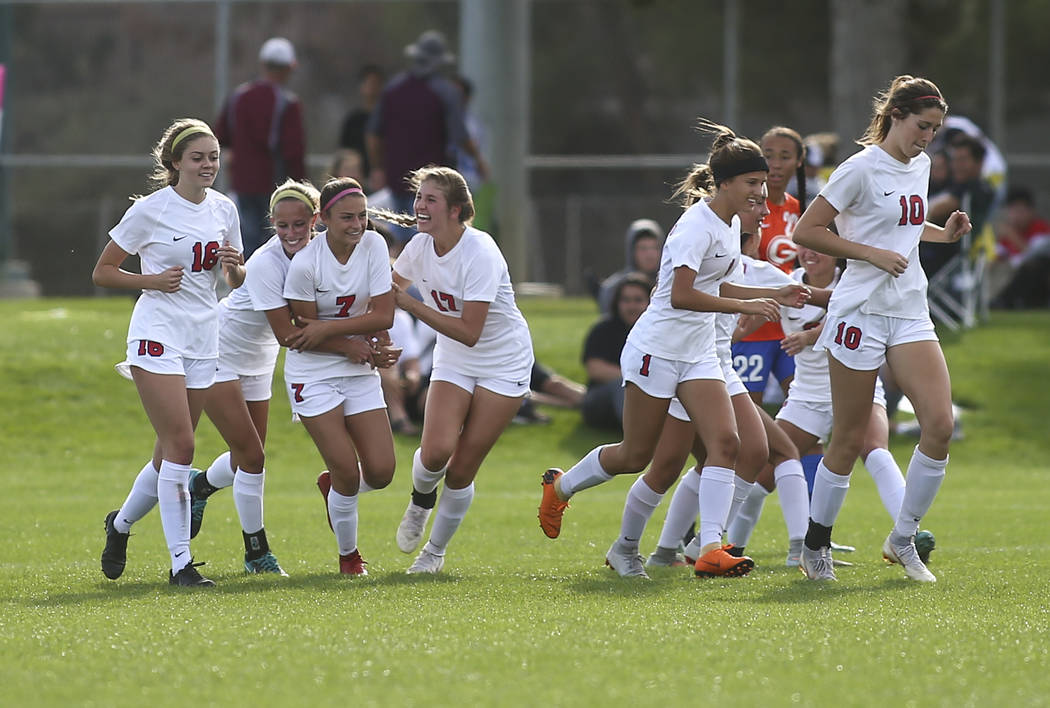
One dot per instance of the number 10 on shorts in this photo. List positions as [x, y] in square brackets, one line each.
[848, 337]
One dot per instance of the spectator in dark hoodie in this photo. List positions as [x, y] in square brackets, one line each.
[643, 245]
[602, 405]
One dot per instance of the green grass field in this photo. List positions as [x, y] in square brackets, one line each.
[515, 619]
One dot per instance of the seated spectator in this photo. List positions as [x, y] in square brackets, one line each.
[602, 405]
[1023, 248]
[548, 388]
[968, 192]
[643, 244]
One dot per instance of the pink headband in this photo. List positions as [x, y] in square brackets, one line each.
[333, 200]
[923, 98]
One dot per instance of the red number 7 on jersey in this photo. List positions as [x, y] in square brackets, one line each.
[346, 302]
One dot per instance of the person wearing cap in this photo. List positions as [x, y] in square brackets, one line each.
[418, 122]
[261, 129]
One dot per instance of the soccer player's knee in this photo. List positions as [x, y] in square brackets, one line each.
[752, 456]
[726, 446]
[379, 476]
[179, 449]
[939, 428]
[434, 459]
[636, 460]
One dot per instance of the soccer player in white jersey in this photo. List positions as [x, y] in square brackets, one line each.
[482, 358]
[339, 286]
[187, 237]
[671, 352]
[249, 319]
[759, 439]
[806, 417]
[878, 313]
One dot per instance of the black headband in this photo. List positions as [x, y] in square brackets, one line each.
[752, 163]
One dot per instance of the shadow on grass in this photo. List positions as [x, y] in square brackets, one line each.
[227, 584]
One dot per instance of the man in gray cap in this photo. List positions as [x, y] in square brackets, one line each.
[261, 127]
[418, 120]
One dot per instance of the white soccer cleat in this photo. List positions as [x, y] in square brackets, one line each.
[426, 562]
[908, 557]
[627, 562]
[794, 554]
[410, 530]
[665, 558]
[817, 565]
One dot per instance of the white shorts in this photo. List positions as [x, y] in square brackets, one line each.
[504, 387]
[734, 387]
[659, 377]
[860, 341]
[254, 388]
[814, 417]
[356, 394]
[156, 358]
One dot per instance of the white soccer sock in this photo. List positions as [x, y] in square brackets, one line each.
[173, 496]
[343, 512]
[248, 498]
[682, 511]
[743, 523]
[424, 480]
[451, 509]
[741, 489]
[716, 496]
[794, 497]
[220, 474]
[925, 475]
[584, 474]
[829, 493]
[888, 479]
[141, 499]
[637, 510]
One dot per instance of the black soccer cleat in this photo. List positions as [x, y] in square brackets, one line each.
[115, 554]
[189, 577]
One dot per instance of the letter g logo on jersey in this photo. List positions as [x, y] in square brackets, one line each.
[781, 250]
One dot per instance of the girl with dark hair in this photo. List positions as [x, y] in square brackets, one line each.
[878, 313]
[339, 290]
[671, 353]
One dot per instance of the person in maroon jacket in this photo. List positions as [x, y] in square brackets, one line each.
[261, 131]
[418, 122]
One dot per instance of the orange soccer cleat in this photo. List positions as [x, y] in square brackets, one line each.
[551, 506]
[718, 562]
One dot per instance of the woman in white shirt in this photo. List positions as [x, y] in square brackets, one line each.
[180, 232]
[482, 358]
[879, 314]
[339, 286]
[249, 319]
[671, 352]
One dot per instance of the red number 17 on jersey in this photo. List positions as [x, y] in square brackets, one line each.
[449, 301]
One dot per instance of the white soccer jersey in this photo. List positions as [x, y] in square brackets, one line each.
[340, 291]
[812, 382]
[700, 240]
[246, 342]
[881, 203]
[166, 230]
[756, 273]
[473, 271]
